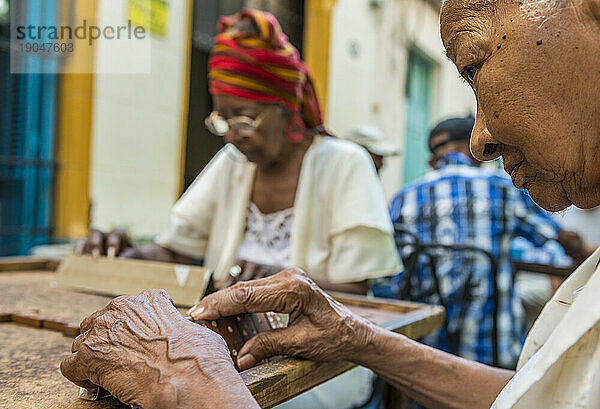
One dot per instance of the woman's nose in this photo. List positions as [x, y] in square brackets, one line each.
[483, 145]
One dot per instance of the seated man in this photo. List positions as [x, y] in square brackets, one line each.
[462, 203]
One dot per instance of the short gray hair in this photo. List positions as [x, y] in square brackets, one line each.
[540, 10]
[532, 9]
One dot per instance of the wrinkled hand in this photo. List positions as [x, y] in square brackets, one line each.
[246, 271]
[145, 353]
[99, 243]
[320, 328]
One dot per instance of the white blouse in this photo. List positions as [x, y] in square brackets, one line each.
[559, 367]
[267, 237]
[341, 230]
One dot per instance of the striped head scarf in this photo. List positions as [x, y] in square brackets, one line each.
[265, 68]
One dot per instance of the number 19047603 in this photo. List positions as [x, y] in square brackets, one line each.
[47, 47]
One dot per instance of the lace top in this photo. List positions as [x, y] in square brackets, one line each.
[267, 237]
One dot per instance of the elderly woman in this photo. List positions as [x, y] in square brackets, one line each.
[538, 108]
[281, 192]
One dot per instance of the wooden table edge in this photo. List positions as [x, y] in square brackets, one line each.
[27, 263]
[263, 380]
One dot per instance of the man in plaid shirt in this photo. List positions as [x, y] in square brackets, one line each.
[462, 203]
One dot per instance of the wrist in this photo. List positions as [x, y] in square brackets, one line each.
[224, 389]
[366, 339]
[375, 347]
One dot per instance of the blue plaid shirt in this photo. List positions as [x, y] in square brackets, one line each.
[464, 204]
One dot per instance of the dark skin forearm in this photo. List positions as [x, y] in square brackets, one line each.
[433, 378]
[323, 329]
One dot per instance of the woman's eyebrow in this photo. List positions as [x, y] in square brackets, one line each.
[452, 44]
[245, 110]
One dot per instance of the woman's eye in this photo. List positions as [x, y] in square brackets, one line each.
[246, 113]
[469, 73]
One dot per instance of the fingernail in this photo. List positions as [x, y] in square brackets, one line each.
[246, 361]
[196, 311]
[111, 252]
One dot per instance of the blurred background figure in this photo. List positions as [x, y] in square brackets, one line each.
[373, 140]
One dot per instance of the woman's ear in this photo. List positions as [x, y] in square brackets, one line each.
[432, 161]
[295, 128]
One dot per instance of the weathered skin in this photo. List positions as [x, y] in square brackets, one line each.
[142, 350]
[320, 328]
[533, 66]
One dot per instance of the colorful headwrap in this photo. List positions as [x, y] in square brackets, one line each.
[265, 68]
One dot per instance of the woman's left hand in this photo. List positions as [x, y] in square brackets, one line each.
[145, 353]
[320, 328]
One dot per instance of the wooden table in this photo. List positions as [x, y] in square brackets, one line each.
[30, 357]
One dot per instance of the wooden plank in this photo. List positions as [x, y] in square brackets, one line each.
[29, 375]
[378, 303]
[12, 264]
[113, 277]
[24, 292]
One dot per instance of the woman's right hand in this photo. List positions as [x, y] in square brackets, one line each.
[320, 327]
[111, 244]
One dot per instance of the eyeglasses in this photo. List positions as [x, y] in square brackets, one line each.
[243, 125]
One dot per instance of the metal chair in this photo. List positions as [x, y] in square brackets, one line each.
[413, 251]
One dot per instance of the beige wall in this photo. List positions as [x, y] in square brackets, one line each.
[136, 132]
[367, 71]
